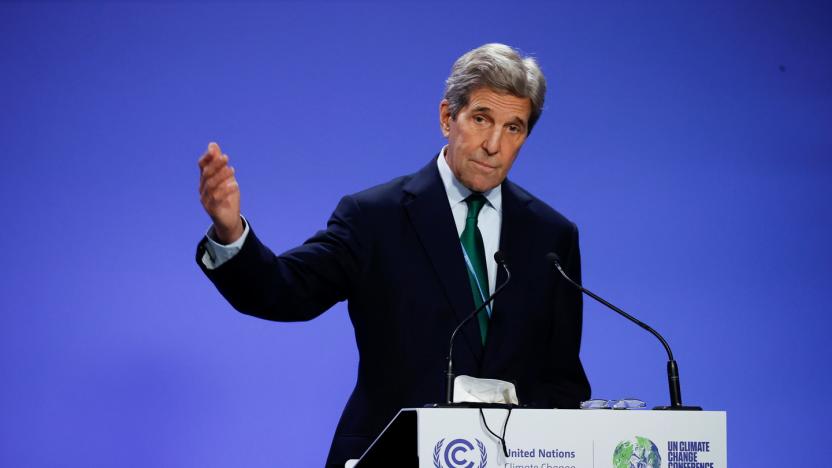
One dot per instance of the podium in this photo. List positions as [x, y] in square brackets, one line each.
[548, 438]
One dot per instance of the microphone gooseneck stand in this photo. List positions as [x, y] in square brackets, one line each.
[449, 397]
[672, 367]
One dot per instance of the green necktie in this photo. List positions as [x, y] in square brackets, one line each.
[471, 240]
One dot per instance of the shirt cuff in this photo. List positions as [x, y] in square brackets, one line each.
[216, 254]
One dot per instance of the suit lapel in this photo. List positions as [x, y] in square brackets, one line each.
[426, 204]
[514, 244]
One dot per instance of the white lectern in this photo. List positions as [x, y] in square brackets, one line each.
[458, 438]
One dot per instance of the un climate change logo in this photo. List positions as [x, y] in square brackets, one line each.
[458, 453]
[640, 452]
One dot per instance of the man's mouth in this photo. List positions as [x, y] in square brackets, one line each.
[483, 165]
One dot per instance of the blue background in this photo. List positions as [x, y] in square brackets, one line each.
[690, 141]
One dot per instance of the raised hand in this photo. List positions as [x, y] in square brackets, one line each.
[220, 194]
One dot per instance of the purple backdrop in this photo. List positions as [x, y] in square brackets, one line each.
[690, 142]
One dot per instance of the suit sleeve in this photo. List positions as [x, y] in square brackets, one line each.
[569, 385]
[301, 283]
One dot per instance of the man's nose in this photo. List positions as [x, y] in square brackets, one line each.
[491, 144]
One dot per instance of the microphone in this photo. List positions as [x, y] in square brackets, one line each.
[672, 367]
[501, 260]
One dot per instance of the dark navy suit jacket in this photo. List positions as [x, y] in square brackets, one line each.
[393, 253]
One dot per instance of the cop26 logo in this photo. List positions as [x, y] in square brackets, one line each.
[640, 452]
[458, 454]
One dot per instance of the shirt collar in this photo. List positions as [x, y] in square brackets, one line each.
[457, 193]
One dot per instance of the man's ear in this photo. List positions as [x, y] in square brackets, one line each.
[444, 118]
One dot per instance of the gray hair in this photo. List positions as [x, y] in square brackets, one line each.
[501, 68]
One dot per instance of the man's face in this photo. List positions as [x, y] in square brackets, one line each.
[485, 137]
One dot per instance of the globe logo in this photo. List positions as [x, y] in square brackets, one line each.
[639, 452]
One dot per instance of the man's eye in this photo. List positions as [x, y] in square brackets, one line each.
[514, 128]
[479, 119]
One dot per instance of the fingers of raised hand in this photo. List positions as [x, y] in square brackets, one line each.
[211, 179]
[212, 154]
[217, 187]
[214, 166]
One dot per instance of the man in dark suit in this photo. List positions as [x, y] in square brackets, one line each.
[413, 257]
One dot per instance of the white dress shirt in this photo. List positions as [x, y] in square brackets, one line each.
[490, 220]
[216, 254]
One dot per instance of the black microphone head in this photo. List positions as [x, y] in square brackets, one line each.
[499, 257]
[552, 257]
